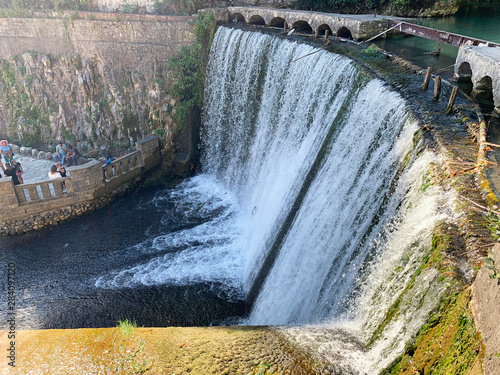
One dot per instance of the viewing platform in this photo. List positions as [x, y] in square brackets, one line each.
[41, 204]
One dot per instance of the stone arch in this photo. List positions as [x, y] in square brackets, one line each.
[277, 22]
[463, 76]
[238, 17]
[257, 20]
[344, 32]
[302, 27]
[322, 29]
[464, 70]
[483, 91]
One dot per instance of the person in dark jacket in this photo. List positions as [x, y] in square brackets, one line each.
[11, 172]
[72, 156]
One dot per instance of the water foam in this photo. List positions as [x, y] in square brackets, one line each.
[208, 250]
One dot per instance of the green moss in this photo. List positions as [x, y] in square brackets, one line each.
[448, 343]
[188, 66]
[442, 241]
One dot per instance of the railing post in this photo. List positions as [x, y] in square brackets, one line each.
[452, 99]
[45, 190]
[427, 78]
[437, 88]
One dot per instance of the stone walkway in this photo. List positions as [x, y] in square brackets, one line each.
[34, 169]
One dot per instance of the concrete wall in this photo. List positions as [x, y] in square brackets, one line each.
[119, 40]
[90, 186]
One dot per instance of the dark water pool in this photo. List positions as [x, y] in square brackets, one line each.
[57, 270]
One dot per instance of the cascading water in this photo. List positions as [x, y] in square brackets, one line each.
[310, 203]
[313, 151]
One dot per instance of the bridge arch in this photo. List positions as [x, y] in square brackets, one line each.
[344, 32]
[238, 17]
[277, 22]
[324, 28]
[477, 63]
[257, 20]
[464, 70]
[483, 91]
[302, 27]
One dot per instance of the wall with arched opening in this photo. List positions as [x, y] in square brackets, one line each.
[238, 17]
[257, 20]
[344, 32]
[302, 27]
[277, 22]
[324, 29]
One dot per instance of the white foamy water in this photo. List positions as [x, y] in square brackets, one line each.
[207, 251]
[400, 248]
[311, 202]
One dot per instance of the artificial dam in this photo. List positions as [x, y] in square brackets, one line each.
[314, 210]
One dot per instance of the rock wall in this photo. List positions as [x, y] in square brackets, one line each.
[89, 79]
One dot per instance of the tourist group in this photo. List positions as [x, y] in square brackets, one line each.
[12, 168]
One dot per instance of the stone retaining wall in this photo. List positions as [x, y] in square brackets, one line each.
[90, 186]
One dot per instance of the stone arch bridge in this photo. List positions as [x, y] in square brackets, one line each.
[354, 26]
[482, 66]
[479, 62]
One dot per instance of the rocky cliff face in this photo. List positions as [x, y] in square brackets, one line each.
[82, 101]
[99, 80]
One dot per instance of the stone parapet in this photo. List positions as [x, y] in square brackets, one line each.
[90, 186]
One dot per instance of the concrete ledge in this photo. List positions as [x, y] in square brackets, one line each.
[485, 305]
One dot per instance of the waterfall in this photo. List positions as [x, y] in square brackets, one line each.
[314, 202]
[333, 218]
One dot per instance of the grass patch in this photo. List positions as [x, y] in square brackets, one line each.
[127, 328]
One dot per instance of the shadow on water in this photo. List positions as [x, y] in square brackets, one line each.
[57, 269]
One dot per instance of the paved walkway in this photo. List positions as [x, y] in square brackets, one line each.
[34, 169]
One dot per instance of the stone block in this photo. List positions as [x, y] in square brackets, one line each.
[41, 155]
[48, 156]
[34, 153]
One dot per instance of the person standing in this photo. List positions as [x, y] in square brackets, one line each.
[11, 172]
[6, 151]
[19, 170]
[54, 173]
[61, 152]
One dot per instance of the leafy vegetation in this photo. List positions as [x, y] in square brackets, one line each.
[188, 66]
[492, 265]
[363, 6]
[493, 224]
